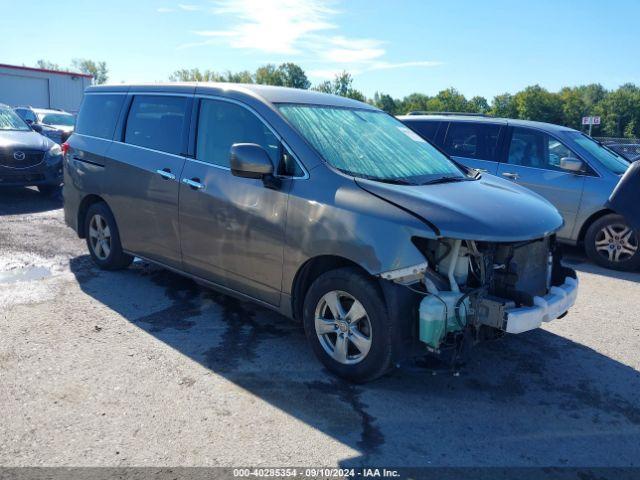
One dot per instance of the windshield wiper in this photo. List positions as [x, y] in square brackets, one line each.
[446, 180]
[395, 181]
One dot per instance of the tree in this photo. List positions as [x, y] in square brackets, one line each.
[386, 102]
[293, 76]
[195, 75]
[269, 75]
[98, 70]
[537, 103]
[449, 100]
[504, 106]
[47, 65]
[478, 105]
[620, 108]
[341, 85]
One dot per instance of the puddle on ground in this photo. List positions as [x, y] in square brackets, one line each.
[27, 274]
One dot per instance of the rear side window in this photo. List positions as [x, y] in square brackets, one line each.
[156, 122]
[98, 115]
[473, 140]
[426, 130]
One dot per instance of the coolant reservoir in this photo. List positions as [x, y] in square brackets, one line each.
[437, 316]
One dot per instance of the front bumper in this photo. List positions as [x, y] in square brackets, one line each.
[547, 308]
[41, 174]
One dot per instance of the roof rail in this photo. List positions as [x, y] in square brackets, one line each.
[463, 114]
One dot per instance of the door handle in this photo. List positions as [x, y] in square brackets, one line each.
[512, 176]
[166, 174]
[193, 183]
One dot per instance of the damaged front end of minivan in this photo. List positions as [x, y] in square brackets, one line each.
[471, 290]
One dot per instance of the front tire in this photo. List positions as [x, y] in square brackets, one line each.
[103, 238]
[611, 243]
[348, 326]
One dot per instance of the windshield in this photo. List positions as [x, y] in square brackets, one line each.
[63, 119]
[370, 144]
[9, 120]
[611, 160]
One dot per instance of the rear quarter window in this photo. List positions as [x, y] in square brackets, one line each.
[99, 114]
[472, 140]
[426, 130]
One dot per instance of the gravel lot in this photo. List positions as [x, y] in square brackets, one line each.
[142, 367]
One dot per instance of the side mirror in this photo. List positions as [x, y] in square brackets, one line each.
[249, 160]
[35, 127]
[571, 164]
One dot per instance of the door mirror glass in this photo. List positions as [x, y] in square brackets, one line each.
[250, 160]
[571, 164]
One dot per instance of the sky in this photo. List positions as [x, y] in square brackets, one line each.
[398, 47]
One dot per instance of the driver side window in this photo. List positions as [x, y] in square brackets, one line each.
[535, 149]
[221, 124]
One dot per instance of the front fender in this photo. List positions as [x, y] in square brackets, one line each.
[350, 223]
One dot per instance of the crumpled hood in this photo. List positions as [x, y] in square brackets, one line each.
[488, 209]
[11, 140]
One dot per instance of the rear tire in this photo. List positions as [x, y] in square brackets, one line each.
[348, 326]
[609, 242]
[103, 238]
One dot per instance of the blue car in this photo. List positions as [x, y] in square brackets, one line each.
[570, 169]
[26, 157]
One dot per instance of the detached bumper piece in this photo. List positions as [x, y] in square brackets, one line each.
[504, 315]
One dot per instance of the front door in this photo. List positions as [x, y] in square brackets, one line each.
[232, 228]
[533, 161]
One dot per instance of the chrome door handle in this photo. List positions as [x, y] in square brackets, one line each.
[512, 176]
[193, 183]
[166, 174]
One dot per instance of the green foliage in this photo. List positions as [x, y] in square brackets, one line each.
[285, 75]
[342, 85]
[536, 103]
[504, 106]
[619, 109]
[47, 65]
[99, 70]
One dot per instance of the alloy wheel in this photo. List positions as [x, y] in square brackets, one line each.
[343, 327]
[100, 237]
[616, 242]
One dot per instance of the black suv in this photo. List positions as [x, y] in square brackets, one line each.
[26, 157]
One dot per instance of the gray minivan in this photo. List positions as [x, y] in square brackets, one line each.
[322, 208]
[570, 169]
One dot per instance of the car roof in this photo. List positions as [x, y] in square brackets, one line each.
[486, 119]
[265, 93]
[49, 110]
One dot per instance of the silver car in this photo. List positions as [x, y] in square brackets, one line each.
[574, 172]
[322, 208]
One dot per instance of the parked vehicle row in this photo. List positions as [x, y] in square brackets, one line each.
[570, 169]
[26, 157]
[55, 124]
[322, 208]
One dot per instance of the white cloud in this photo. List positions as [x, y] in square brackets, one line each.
[301, 28]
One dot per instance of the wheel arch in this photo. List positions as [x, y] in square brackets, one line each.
[85, 204]
[312, 269]
[594, 217]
